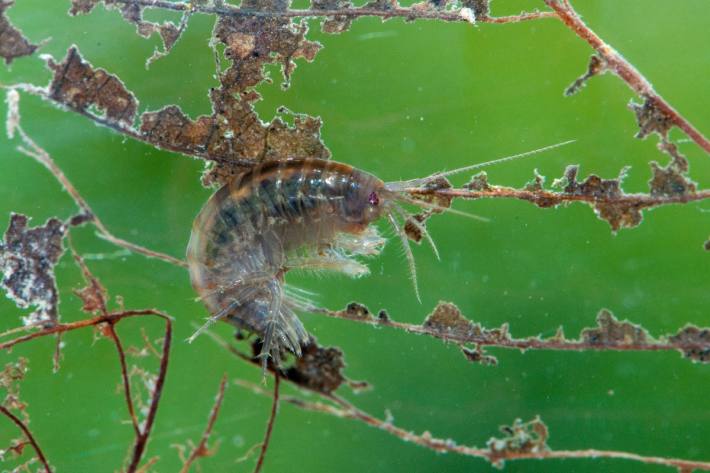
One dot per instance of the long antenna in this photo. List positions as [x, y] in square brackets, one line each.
[400, 185]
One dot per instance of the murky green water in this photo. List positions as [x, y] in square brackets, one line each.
[399, 100]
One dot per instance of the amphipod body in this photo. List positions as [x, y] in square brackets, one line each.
[281, 215]
[295, 214]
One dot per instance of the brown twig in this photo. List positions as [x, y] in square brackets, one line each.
[28, 435]
[545, 198]
[270, 423]
[125, 378]
[142, 440]
[111, 319]
[201, 449]
[615, 62]
[34, 151]
[494, 338]
[392, 12]
[344, 409]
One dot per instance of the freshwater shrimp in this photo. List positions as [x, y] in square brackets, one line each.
[295, 214]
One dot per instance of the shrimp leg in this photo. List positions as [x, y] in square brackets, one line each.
[329, 261]
[367, 243]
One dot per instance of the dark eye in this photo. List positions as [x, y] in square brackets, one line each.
[373, 199]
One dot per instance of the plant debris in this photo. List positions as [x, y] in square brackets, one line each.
[694, 335]
[233, 134]
[610, 331]
[521, 437]
[27, 259]
[13, 43]
[78, 85]
[319, 369]
[478, 355]
[606, 193]
[479, 182]
[596, 66]
[10, 378]
[651, 119]
[169, 32]
[334, 24]
[82, 6]
[669, 181]
[447, 319]
[357, 310]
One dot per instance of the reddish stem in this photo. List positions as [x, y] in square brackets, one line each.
[616, 63]
[29, 436]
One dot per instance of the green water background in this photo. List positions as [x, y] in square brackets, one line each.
[400, 100]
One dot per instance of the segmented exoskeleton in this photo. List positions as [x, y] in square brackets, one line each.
[292, 214]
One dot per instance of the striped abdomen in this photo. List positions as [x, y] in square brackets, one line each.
[244, 235]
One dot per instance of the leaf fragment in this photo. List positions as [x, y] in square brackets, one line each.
[82, 6]
[13, 43]
[337, 23]
[692, 335]
[447, 319]
[610, 331]
[596, 66]
[520, 437]
[319, 369]
[606, 193]
[651, 119]
[478, 355]
[27, 260]
[78, 85]
[669, 181]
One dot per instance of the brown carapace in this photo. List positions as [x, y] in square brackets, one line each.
[308, 214]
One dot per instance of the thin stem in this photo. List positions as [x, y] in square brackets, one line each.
[125, 378]
[28, 434]
[270, 424]
[142, 439]
[545, 198]
[494, 338]
[394, 12]
[341, 408]
[41, 156]
[616, 63]
[201, 449]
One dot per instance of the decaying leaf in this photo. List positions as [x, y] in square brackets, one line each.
[596, 66]
[610, 331]
[695, 336]
[668, 181]
[606, 193]
[27, 259]
[78, 85]
[447, 318]
[233, 134]
[478, 355]
[12, 42]
[319, 369]
[537, 183]
[235, 131]
[357, 310]
[10, 378]
[651, 119]
[169, 32]
[94, 295]
[447, 321]
[478, 182]
[521, 437]
[480, 8]
[82, 6]
[337, 23]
